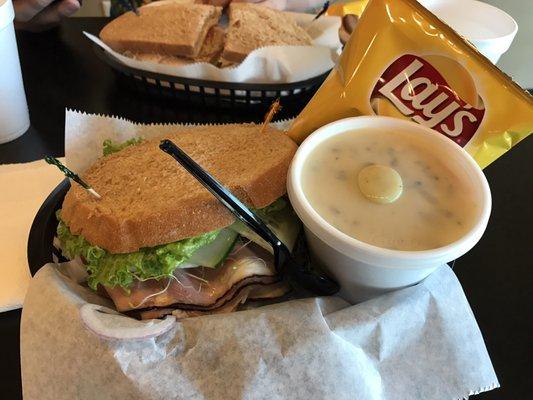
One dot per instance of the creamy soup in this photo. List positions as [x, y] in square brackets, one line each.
[386, 189]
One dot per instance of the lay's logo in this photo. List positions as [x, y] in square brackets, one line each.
[414, 87]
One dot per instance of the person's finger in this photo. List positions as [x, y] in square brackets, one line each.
[27, 9]
[349, 22]
[51, 15]
[343, 36]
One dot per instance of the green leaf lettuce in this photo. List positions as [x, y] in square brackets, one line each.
[121, 270]
[110, 147]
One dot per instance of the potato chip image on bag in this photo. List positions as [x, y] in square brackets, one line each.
[402, 61]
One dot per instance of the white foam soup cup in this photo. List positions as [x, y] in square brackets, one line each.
[488, 28]
[364, 270]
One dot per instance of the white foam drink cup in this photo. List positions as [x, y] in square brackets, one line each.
[488, 28]
[14, 118]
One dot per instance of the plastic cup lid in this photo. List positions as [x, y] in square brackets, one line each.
[7, 13]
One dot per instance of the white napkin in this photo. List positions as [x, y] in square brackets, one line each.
[24, 188]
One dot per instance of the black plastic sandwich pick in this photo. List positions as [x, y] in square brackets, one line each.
[285, 263]
[322, 11]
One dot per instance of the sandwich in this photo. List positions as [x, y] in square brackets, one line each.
[253, 26]
[158, 243]
[170, 29]
[180, 31]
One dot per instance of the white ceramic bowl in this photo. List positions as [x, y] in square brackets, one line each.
[487, 27]
[364, 270]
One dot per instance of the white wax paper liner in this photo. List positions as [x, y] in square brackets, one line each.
[417, 343]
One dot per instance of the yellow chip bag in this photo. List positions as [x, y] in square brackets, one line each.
[403, 61]
[355, 7]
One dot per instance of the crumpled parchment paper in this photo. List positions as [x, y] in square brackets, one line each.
[417, 343]
[273, 64]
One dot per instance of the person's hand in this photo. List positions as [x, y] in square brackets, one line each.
[38, 15]
[292, 5]
[279, 4]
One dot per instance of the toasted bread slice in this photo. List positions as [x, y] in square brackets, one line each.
[158, 58]
[148, 199]
[210, 51]
[171, 29]
[253, 26]
[144, 56]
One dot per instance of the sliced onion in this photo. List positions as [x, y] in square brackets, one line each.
[109, 324]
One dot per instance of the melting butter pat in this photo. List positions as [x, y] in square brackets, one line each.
[380, 183]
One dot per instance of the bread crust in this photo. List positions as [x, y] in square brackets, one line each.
[173, 29]
[148, 199]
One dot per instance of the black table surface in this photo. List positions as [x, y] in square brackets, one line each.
[60, 71]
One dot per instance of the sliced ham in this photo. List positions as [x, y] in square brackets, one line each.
[229, 304]
[195, 291]
[269, 291]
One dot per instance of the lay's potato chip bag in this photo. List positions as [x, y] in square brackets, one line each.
[402, 61]
[355, 7]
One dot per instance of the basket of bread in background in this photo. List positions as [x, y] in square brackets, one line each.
[244, 51]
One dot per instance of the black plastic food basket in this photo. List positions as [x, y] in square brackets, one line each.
[210, 92]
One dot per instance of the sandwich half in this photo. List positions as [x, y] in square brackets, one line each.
[159, 243]
[209, 52]
[171, 29]
[252, 26]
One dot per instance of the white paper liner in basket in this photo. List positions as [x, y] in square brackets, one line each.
[275, 64]
[416, 343]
